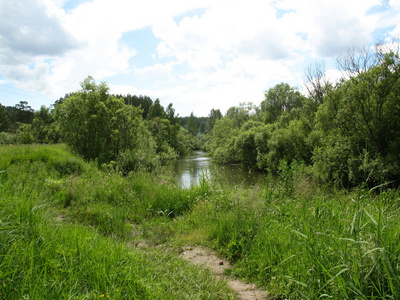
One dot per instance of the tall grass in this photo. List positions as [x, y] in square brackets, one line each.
[297, 239]
[301, 241]
[43, 256]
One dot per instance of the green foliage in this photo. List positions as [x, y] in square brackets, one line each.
[245, 145]
[279, 99]
[192, 125]
[213, 116]
[7, 138]
[24, 134]
[4, 119]
[99, 126]
[288, 143]
[143, 102]
[164, 134]
[60, 233]
[186, 141]
[363, 112]
[44, 129]
[300, 242]
[23, 113]
[294, 238]
[156, 111]
[221, 146]
[240, 114]
[348, 133]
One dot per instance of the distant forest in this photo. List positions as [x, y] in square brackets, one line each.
[345, 132]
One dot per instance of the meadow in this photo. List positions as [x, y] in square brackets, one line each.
[71, 229]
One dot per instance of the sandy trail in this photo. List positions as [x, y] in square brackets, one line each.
[206, 257]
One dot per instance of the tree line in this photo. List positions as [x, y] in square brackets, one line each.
[126, 132]
[346, 132]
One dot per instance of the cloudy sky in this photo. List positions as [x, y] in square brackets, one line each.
[196, 54]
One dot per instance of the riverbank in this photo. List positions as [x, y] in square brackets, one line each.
[70, 230]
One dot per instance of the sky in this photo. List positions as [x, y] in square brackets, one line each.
[196, 54]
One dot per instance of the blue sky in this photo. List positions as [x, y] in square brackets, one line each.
[196, 54]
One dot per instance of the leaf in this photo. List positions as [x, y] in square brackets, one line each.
[299, 233]
[296, 281]
[371, 217]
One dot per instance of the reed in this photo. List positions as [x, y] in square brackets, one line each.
[66, 227]
[48, 251]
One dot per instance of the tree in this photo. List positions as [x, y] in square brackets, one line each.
[245, 145]
[170, 113]
[213, 116]
[24, 113]
[144, 102]
[43, 127]
[192, 125]
[156, 110]
[279, 99]
[99, 126]
[316, 83]
[240, 114]
[4, 119]
[362, 111]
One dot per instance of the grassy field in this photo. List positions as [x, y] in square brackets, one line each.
[69, 230]
[65, 232]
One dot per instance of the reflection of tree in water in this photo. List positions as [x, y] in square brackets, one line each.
[192, 167]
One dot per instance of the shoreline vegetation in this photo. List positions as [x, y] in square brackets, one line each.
[82, 185]
[69, 231]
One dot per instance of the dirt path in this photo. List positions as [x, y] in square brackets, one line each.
[206, 257]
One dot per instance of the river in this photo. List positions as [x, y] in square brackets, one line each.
[190, 168]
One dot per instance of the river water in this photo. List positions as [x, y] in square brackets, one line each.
[190, 168]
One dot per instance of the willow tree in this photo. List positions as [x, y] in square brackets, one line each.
[100, 126]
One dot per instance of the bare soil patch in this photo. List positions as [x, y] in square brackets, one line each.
[208, 258]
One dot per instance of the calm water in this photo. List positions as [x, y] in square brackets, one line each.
[191, 167]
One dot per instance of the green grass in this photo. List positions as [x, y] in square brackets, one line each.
[66, 230]
[84, 254]
[303, 242]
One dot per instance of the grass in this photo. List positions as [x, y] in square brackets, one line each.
[86, 253]
[303, 241]
[291, 236]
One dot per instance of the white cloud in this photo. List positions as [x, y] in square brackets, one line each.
[229, 53]
[395, 5]
[30, 28]
[333, 26]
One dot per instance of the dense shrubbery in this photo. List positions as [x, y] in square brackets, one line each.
[123, 132]
[347, 133]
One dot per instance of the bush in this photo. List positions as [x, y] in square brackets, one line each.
[7, 138]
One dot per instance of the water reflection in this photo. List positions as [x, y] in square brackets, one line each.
[190, 168]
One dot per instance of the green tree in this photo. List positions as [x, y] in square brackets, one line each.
[161, 130]
[363, 111]
[192, 125]
[279, 99]
[100, 126]
[144, 102]
[156, 110]
[43, 126]
[241, 114]
[245, 145]
[222, 144]
[4, 119]
[24, 113]
[213, 116]
[24, 134]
